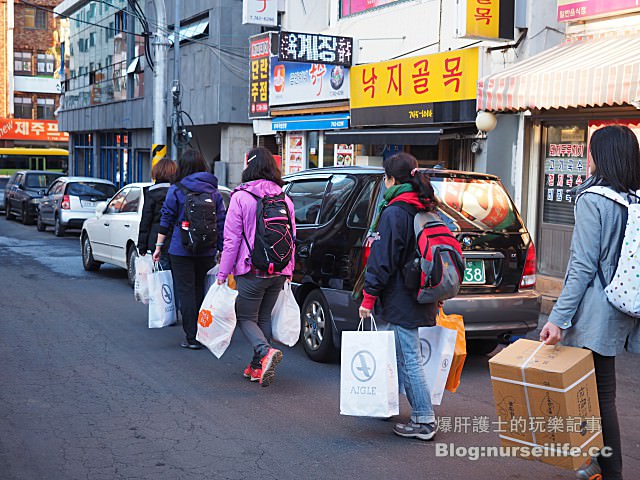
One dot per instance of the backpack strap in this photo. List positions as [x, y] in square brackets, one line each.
[182, 188]
[607, 193]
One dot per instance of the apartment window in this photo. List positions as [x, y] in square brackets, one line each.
[22, 63]
[22, 107]
[34, 18]
[121, 21]
[45, 64]
[92, 39]
[45, 107]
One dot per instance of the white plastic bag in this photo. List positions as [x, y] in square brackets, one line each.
[144, 266]
[162, 305]
[285, 318]
[369, 373]
[437, 345]
[217, 318]
[210, 279]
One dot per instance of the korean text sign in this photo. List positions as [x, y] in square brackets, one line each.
[294, 83]
[418, 84]
[20, 129]
[489, 19]
[315, 48]
[260, 12]
[570, 10]
[259, 54]
[350, 7]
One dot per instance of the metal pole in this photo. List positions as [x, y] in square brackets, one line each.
[160, 44]
[175, 88]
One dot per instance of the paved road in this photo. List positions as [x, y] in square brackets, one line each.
[88, 392]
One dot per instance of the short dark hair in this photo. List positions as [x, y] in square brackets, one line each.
[191, 162]
[403, 167]
[261, 166]
[164, 171]
[615, 152]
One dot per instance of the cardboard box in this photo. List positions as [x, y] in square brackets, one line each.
[546, 397]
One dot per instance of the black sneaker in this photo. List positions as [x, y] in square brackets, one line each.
[422, 431]
[192, 345]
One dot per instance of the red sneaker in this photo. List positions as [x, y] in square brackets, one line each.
[269, 362]
[252, 374]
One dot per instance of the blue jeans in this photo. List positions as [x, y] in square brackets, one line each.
[411, 374]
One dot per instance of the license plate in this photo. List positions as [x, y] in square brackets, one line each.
[474, 272]
[88, 204]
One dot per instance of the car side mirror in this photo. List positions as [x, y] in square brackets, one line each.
[100, 208]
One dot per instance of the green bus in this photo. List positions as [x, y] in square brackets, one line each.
[19, 158]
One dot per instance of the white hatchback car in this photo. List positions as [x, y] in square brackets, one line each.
[111, 236]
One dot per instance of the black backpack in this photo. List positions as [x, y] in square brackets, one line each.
[273, 243]
[199, 229]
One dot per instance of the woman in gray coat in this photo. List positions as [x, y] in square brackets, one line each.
[582, 316]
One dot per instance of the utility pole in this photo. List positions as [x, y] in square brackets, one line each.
[175, 86]
[160, 43]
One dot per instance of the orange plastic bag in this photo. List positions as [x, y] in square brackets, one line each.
[454, 322]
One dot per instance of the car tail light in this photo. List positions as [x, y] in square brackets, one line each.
[66, 203]
[528, 279]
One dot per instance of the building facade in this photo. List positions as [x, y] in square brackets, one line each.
[108, 104]
[30, 75]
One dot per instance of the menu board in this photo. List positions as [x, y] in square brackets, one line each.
[344, 154]
[565, 167]
[296, 148]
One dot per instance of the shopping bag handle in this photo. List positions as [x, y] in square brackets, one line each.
[157, 267]
[374, 327]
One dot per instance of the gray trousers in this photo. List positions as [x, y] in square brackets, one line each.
[255, 301]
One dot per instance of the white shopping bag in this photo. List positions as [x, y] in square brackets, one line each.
[368, 373]
[437, 345]
[162, 305]
[217, 318]
[210, 279]
[144, 266]
[285, 318]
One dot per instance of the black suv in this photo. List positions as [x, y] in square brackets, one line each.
[334, 208]
[23, 192]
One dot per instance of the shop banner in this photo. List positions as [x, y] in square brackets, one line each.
[417, 90]
[295, 159]
[491, 19]
[294, 83]
[571, 10]
[349, 7]
[334, 121]
[36, 130]
[260, 12]
[315, 48]
[259, 55]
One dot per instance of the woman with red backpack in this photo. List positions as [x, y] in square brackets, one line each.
[395, 243]
[259, 238]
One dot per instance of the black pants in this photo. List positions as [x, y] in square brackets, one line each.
[606, 382]
[189, 274]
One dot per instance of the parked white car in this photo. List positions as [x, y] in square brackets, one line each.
[111, 236]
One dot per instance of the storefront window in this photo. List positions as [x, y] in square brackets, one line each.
[565, 167]
[313, 149]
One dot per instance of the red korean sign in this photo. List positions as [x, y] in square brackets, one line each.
[35, 130]
[259, 54]
[571, 10]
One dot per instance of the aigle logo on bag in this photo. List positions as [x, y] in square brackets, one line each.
[363, 368]
[205, 318]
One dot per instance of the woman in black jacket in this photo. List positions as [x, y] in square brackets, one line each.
[163, 173]
[408, 191]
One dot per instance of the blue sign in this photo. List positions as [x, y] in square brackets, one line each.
[334, 121]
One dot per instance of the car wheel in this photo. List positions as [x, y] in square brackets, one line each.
[40, 225]
[481, 347]
[26, 219]
[132, 254]
[89, 264]
[316, 328]
[58, 229]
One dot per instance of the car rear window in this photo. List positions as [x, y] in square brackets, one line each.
[91, 189]
[40, 180]
[476, 205]
[337, 192]
[307, 196]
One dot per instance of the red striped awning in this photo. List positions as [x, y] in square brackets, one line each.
[582, 73]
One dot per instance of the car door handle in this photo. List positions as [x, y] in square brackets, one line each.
[106, 224]
[304, 251]
[126, 225]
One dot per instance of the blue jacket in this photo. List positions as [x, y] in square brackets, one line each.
[395, 245]
[582, 309]
[172, 213]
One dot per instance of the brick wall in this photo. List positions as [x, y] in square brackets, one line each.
[4, 80]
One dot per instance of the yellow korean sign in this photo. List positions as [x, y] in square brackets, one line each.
[493, 19]
[441, 77]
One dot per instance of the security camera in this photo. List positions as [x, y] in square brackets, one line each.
[476, 147]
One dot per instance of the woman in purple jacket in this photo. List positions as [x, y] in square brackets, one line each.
[257, 290]
[189, 269]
